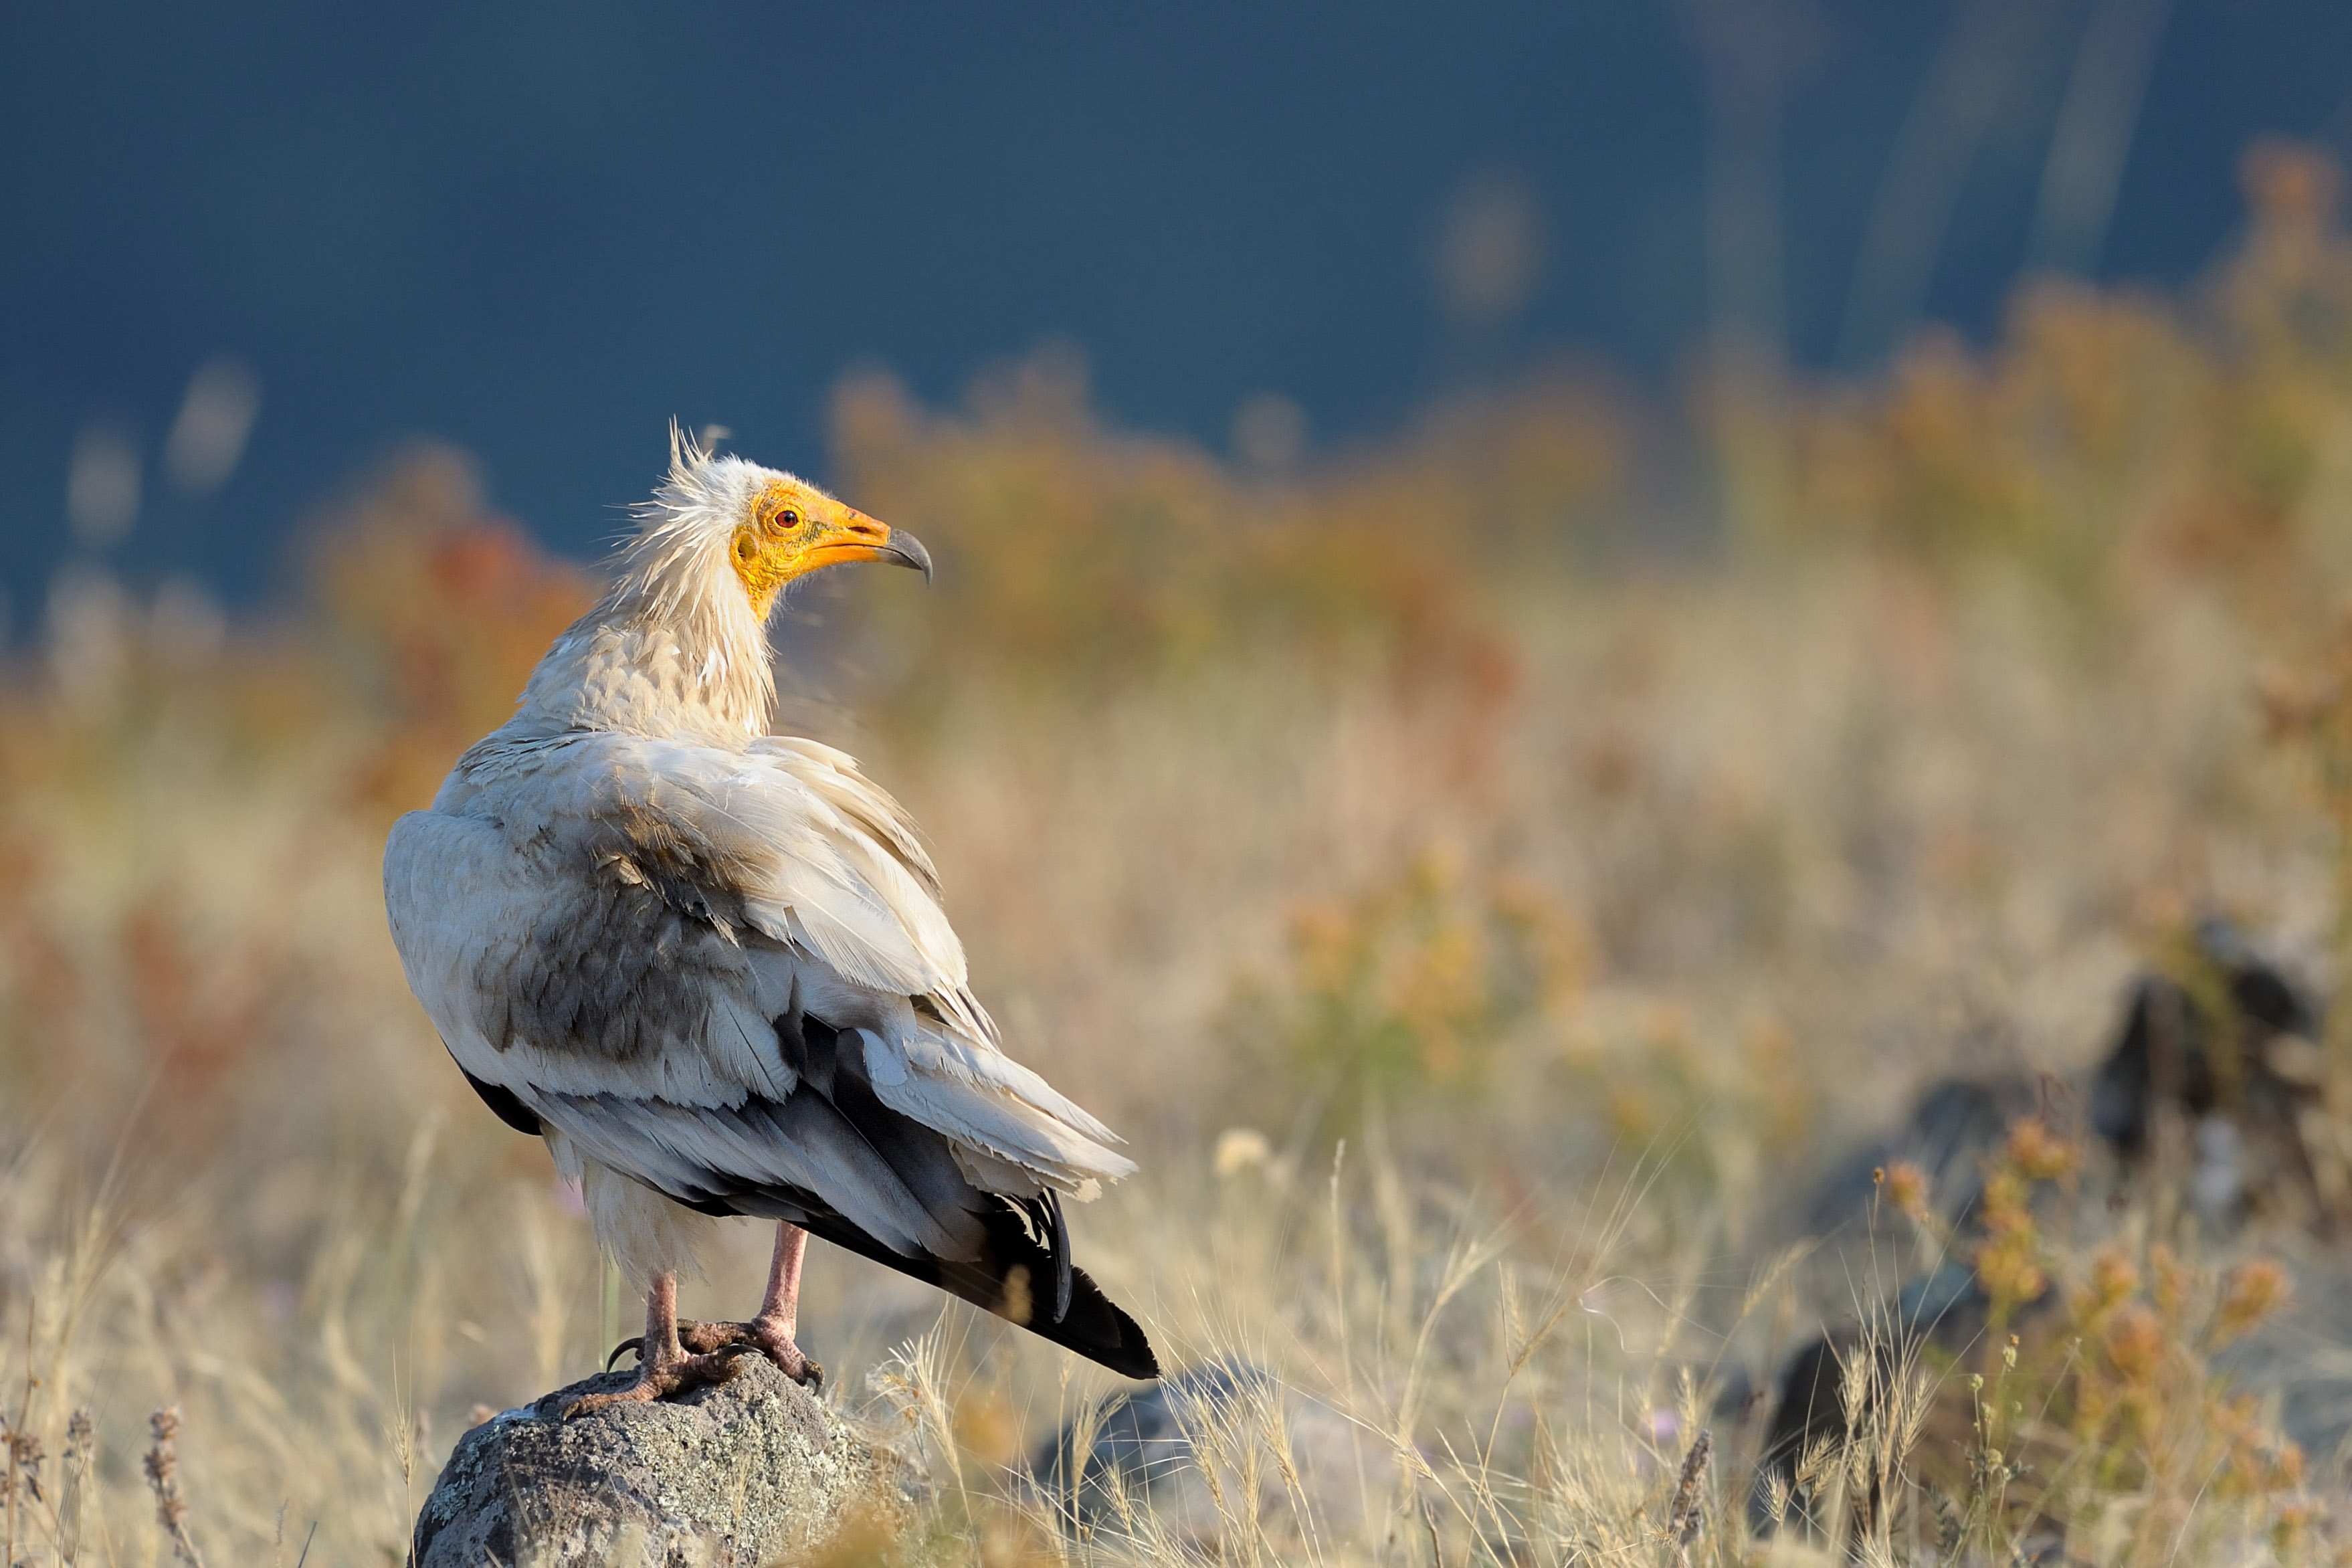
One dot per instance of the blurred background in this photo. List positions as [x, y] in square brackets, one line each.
[252, 250]
[1547, 616]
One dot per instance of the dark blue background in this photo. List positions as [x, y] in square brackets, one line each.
[541, 230]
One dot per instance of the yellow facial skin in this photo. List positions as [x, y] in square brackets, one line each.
[791, 531]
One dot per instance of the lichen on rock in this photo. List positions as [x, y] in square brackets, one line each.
[734, 1475]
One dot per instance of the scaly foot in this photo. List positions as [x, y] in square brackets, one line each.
[659, 1380]
[762, 1334]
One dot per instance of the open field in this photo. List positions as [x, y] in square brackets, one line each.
[1487, 927]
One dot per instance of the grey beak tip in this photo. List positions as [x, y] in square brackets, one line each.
[910, 552]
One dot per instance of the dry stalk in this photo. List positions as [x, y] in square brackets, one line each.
[1688, 1513]
[164, 1479]
[81, 1450]
[20, 1478]
[7, 1493]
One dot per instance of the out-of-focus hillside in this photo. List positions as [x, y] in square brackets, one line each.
[1402, 802]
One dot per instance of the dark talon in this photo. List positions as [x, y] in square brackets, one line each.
[638, 1344]
[722, 1362]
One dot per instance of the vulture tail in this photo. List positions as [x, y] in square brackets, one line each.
[1019, 1278]
[1021, 1271]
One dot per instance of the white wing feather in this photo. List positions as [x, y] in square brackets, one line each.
[798, 879]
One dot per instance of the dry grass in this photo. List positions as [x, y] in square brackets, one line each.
[1487, 932]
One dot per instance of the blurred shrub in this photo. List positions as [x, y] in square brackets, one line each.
[434, 610]
[1706, 1108]
[2148, 1410]
[1075, 560]
[2307, 708]
[2099, 1413]
[185, 798]
[1406, 993]
[2105, 435]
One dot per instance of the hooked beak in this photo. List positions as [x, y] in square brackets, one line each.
[905, 550]
[857, 537]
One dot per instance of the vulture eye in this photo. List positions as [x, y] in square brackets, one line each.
[790, 518]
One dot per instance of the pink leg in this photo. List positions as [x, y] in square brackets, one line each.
[664, 1367]
[782, 1306]
[779, 1318]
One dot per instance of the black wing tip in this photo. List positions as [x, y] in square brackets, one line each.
[1134, 1358]
[506, 1105]
[1100, 1329]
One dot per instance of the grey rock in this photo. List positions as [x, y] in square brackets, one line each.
[1222, 1461]
[1145, 1444]
[742, 1474]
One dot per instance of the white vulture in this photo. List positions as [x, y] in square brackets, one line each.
[709, 964]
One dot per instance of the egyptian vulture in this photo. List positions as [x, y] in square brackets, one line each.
[710, 965]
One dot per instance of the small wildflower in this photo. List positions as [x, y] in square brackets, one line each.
[2134, 1343]
[2250, 1293]
[1906, 1189]
[1240, 1149]
[2289, 1530]
[2041, 1156]
[2113, 1279]
[2008, 1264]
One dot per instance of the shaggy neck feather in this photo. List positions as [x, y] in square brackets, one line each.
[673, 648]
